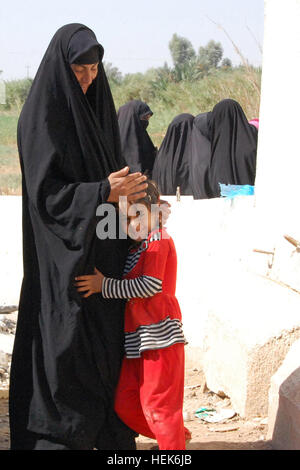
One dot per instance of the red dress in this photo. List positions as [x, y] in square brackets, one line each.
[149, 395]
[154, 322]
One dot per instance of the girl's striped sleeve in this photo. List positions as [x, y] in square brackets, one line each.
[143, 286]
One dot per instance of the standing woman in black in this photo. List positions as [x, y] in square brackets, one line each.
[68, 350]
[137, 147]
[233, 145]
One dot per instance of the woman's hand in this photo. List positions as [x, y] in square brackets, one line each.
[132, 185]
[91, 283]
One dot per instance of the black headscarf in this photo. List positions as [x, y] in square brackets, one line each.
[223, 150]
[137, 147]
[171, 167]
[68, 350]
[84, 48]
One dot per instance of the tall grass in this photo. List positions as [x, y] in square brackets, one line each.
[16, 92]
[165, 97]
[10, 176]
[194, 97]
[8, 126]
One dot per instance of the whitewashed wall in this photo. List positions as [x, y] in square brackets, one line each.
[278, 160]
[214, 241]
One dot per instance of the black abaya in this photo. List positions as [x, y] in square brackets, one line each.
[68, 350]
[172, 164]
[224, 147]
[200, 156]
[137, 147]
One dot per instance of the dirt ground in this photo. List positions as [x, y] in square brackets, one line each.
[4, 424]
[233, 434]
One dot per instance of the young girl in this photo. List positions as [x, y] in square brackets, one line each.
[149, 396]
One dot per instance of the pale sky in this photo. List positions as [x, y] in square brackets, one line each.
[134, 33]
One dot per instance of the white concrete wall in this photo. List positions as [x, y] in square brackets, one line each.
[214, 241]
[284, 403]
[278, 159]
[238, 322]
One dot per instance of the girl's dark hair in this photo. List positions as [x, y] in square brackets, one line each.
[152, 195]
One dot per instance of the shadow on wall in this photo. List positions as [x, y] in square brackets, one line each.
[286, 432]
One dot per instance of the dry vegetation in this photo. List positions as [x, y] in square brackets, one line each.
[166, 97]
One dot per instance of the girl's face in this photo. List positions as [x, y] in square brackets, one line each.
[139, 221]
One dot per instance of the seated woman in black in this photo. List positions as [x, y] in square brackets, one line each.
[200, 153]
[223, 150]
[172, 165]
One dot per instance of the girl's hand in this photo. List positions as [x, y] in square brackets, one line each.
[91, 283]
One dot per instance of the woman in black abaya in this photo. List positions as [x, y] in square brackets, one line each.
[199, 153]
[199, 158]
[223, 150]
[68, 350]
[172, 164]
[137, 147]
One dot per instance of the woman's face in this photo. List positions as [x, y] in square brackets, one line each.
[85, 74]
[146, 117]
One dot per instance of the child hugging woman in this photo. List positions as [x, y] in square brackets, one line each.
[149, 395]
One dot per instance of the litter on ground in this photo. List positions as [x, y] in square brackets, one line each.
[211, 415]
